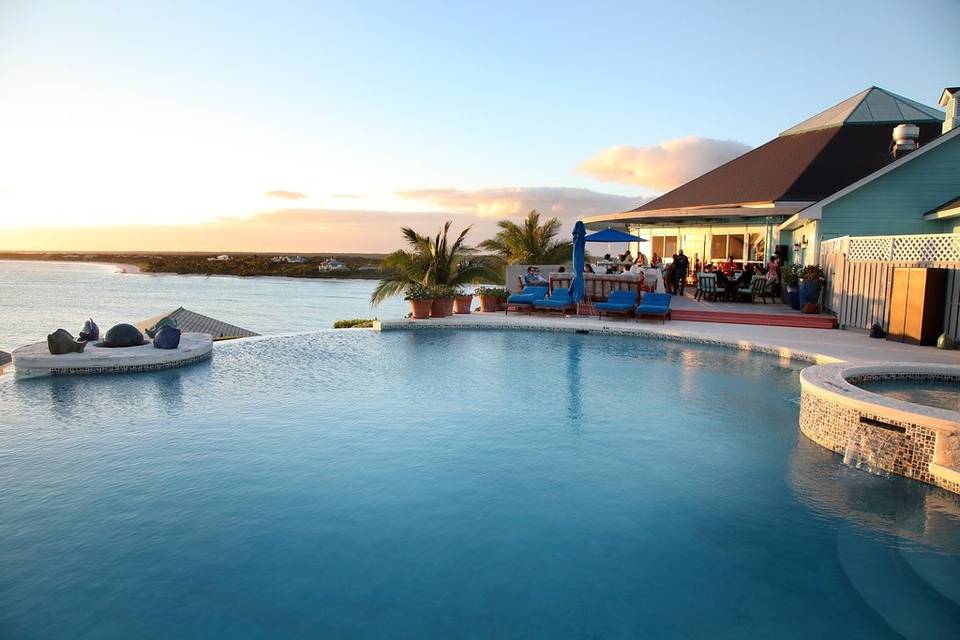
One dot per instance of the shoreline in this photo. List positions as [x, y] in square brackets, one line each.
[121, 268]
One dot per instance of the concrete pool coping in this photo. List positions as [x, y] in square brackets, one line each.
[815, 346]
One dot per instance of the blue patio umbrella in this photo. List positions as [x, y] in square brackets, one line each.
[579, 257]
[610, 235]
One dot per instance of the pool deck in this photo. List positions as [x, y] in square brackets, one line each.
[812, 345]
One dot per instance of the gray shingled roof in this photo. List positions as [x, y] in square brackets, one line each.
[193, 322]
[4, 358]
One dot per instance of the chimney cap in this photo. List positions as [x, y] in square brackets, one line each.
[948, 93]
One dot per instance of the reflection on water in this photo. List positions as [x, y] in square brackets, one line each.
[892, 505]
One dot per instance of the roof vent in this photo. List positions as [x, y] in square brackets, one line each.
[905, 138]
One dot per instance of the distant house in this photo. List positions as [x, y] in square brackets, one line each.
[763, 200]
[332, 264]
[221, 258]
[289, 259]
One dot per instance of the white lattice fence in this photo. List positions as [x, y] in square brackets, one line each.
[860, 271]
[940, 247]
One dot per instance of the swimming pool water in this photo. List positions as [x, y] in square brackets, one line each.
[942, 395]
[440, 484]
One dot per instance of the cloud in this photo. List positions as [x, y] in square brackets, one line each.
[351, 196]
[286, 230]
[662, 166]
[562, 202]
[314, 230]
[286, 195]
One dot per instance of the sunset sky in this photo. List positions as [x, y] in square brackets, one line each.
[289, 126]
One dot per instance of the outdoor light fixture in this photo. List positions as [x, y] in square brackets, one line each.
[796, 247]
[804, 242]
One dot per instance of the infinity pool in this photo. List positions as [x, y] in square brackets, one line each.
[440, 484]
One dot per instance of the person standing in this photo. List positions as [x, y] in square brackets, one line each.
[681, 264]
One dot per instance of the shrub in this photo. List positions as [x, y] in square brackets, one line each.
[418, 292]
[498, 292]
[791, 274]
[355, 323]
[812, 272]
[445, 291]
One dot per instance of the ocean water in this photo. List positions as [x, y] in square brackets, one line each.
[38, 297]
[438, 484]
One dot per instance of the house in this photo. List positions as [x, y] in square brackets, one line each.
[916, 194]
[220, 258]
[289, 259]
[332, 264]
[740, 208]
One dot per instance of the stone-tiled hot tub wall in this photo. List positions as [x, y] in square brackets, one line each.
[832, 409]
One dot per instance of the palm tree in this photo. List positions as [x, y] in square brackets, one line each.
[529, 243]
[430, 262]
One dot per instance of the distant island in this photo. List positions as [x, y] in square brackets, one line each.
[327, 265]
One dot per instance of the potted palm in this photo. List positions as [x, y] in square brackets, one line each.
[421, 301]
[811, 284]
[791, 284]
[443, 297]
[461, 304]
[431, 262]
[490, 298]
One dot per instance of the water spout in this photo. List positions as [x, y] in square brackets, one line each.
[873, 448]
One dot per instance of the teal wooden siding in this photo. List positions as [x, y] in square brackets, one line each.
[894, 203]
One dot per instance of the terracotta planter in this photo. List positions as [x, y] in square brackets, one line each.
[489, 304]
[420, 308]
[461, 304]
[442, 307]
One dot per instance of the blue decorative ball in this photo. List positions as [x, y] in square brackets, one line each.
[167, 337]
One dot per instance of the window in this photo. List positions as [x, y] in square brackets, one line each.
[735, 246]
[724, 245]
[718, 247]
[663, 246]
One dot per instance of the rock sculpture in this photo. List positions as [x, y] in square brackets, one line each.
[167, 337]
[62, 341]
[122, 335]
[90, 331]
[162, 322]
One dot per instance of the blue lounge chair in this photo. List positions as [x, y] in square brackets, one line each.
[654, 304]
[559, 300]
[617, 302]
[526, 298]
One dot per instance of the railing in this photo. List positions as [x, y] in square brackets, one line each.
[859, 272]
[597, 286]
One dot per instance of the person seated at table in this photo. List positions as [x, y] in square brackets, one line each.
[728, 267]
[637, 267]
[656, 260]
[587, 267]
[709, 268]
[746, 277]
[562, 269]
[722, 279]
[641, 259]
[534, 279]
[627, 257]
